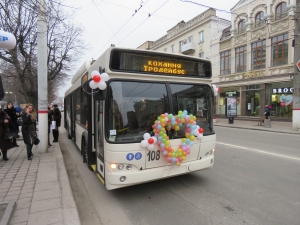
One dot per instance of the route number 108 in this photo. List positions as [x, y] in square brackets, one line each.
[153, 155]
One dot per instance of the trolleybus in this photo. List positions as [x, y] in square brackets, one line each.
[144, 90]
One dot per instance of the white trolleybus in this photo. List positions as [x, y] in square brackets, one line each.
[153, 120]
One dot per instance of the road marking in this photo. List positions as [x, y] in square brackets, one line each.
[260, 151]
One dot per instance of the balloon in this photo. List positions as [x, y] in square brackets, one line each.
[150, 147]
[97, 78]
[101, 85]
[94, 73]
[93, 84]
[7, 40]
[146, 136]
[150, 141]
[104, 76]
[144, 143]
[200, 136]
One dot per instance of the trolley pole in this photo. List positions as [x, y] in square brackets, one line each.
[42, 76]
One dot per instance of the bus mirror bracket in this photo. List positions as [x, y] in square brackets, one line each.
[100, 95]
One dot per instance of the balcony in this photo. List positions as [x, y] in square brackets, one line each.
[188, 48]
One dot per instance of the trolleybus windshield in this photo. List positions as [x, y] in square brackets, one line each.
[133, 107]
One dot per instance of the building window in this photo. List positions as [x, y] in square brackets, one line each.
[258, 55]
[190, 39]
[201, 36]
[180, 44]
[241, 27]
[240, 59]
[259, 19]
[280, 50]
[201, 54]
[281, 11]
[172, 48]
[225, 62]
[165, 50]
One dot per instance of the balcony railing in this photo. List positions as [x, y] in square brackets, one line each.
[188, 48]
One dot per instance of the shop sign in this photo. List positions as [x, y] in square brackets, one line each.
[253, 74]
[283, 90]
[230, 93]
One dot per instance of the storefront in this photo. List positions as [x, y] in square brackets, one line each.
[228, 92]
[281, 99]
[252, 100]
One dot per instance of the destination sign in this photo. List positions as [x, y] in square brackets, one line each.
[159, 63]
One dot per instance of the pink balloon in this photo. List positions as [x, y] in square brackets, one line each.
[188, 152]
[169, 159]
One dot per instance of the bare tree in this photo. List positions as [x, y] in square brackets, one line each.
[19, 17]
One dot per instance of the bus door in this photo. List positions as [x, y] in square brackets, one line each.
[99, 137]
[73, 111]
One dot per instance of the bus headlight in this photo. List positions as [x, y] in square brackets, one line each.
[120, 167]
[128, 167]
[122, 178]
[113, 166]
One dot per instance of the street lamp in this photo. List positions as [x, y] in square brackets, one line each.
[9, 93]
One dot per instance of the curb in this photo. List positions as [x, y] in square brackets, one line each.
[69, 208]
[8, 212]
[253, 128]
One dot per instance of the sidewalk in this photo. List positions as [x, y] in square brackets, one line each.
[276, 126]
[40, 188]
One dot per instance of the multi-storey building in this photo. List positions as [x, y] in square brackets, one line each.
[257, 58]
[197, 37]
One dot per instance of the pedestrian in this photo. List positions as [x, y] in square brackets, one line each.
[4, 127]
[267, 112]
[50, 115]
[57, 118]
[14, 127]
[29, 128]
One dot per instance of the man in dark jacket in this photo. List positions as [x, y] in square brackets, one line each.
[57, 118]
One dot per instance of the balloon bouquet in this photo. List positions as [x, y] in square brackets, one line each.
[167, 122]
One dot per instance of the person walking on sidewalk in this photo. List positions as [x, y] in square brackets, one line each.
[29, 128]
[57, 118]
[12, 113]
[50, 115]
[4, 127]
[267, 112]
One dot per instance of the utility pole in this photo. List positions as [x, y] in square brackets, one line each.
[42, 76]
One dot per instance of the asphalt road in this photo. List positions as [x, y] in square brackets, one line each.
[255, 180]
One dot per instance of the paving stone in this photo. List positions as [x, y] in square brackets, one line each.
[23, 205]
[15, 188]
[46, 186]
[13, 192]
[24, 200]
[45, 217]
[47, 204]
[11, 197]
[26, 195]
[46, 194]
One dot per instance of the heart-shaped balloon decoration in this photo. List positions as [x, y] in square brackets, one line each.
[167, 122]
[98, 80]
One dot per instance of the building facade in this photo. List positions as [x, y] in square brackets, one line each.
[257, 58]
[197, 37]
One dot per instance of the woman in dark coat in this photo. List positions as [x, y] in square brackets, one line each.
[57, 118]
[4, 127]
[28, 128]
[14, 127]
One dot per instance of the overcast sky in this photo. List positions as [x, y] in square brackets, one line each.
[116, 22]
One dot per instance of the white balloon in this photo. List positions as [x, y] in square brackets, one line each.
[150, 147]
[155, 139]
[200, 136]
[95, 72]
[101, 85]
[104, 76]
[196, 132]
[146, 136]
[144, 143]
[93, 84]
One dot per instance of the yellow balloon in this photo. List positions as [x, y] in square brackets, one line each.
[192, 138]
